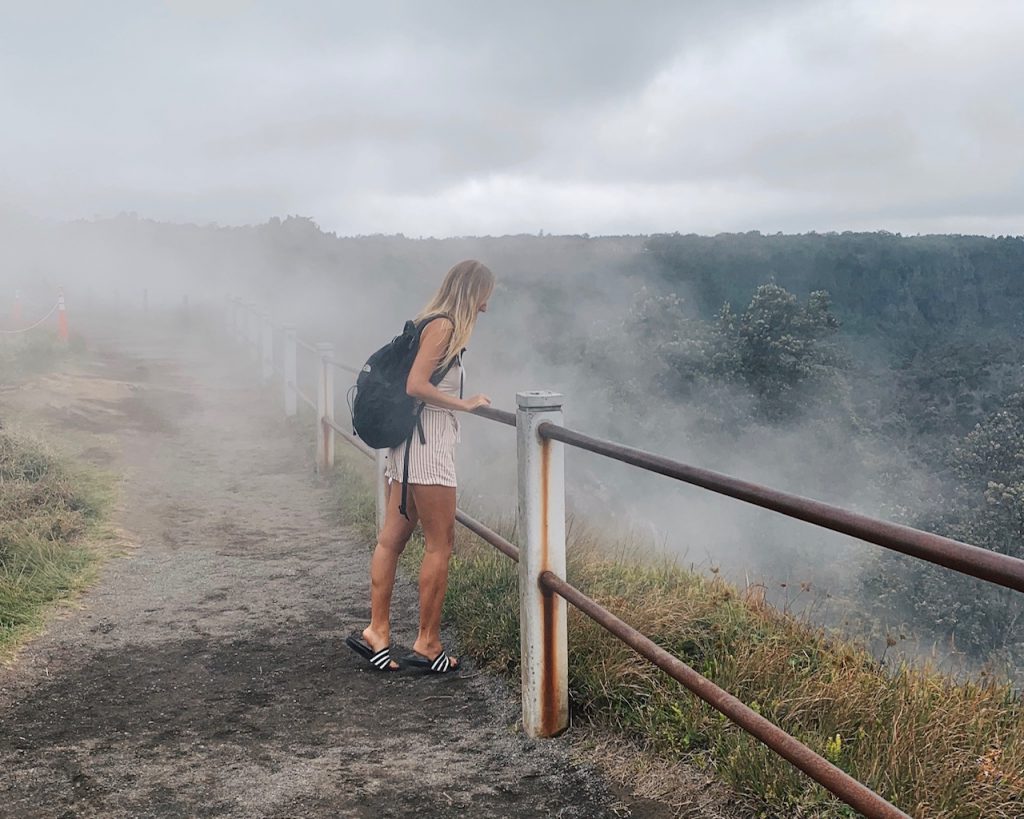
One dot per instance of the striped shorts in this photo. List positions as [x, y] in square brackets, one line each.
[433, 462]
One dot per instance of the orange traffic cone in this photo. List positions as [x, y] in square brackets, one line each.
[62, 318]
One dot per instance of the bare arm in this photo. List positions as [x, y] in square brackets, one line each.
[433, 343]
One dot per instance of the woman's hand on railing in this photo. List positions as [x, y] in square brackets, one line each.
[475, 402]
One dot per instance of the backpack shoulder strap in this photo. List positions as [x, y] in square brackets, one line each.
[438, 375]
[421, 326]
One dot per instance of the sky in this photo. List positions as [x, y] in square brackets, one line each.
[474, 118]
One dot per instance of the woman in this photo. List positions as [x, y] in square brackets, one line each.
[447, 322]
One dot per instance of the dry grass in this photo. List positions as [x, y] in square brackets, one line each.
[46, 517]
[934, 747]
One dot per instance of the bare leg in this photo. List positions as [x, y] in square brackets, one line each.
[395, 535]
[436, 507]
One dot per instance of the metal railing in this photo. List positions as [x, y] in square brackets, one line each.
[543, 590]
[1000, 569]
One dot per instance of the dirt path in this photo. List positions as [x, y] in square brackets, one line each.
[205, 674]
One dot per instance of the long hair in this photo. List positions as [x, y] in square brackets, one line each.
[465, 287]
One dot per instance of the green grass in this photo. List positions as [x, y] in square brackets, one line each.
[934, 747]
[49, 517]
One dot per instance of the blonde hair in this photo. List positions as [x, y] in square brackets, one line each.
[465, 287]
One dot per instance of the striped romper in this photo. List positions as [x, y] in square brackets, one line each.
[434, 461]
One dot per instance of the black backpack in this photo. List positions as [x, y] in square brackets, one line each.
[383, 414]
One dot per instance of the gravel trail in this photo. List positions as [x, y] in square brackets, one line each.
[205, 673]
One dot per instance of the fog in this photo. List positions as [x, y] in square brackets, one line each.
[153, 156]
[555, 295]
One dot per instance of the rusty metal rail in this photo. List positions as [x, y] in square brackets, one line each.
[507, 548]
[987, 565]
[347, 437]
[822, 771]
[492, 414]
[818, 768]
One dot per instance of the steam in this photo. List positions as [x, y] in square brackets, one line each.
[557, 321]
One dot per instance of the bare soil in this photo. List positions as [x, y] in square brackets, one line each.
[205, 674]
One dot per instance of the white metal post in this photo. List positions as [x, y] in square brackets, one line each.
[267, 346]
[382, 489]
[290, 371]
[325, 409]
[542, 616]
[229, 315]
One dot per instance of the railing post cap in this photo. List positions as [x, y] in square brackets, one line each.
[539, 399]
[288, 328]
[324, 347]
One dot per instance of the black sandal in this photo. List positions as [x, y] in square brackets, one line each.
[379, 660]
[441, 664]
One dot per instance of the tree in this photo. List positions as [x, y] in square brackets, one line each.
[780, 349]
[990, 468]
[777, 352]
[985, 508]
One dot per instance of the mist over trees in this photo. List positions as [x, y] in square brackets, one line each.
[778, 351]
[927, 368]
[875, 370]
[983, 505]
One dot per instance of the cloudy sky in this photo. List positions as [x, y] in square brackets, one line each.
[457, 118]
